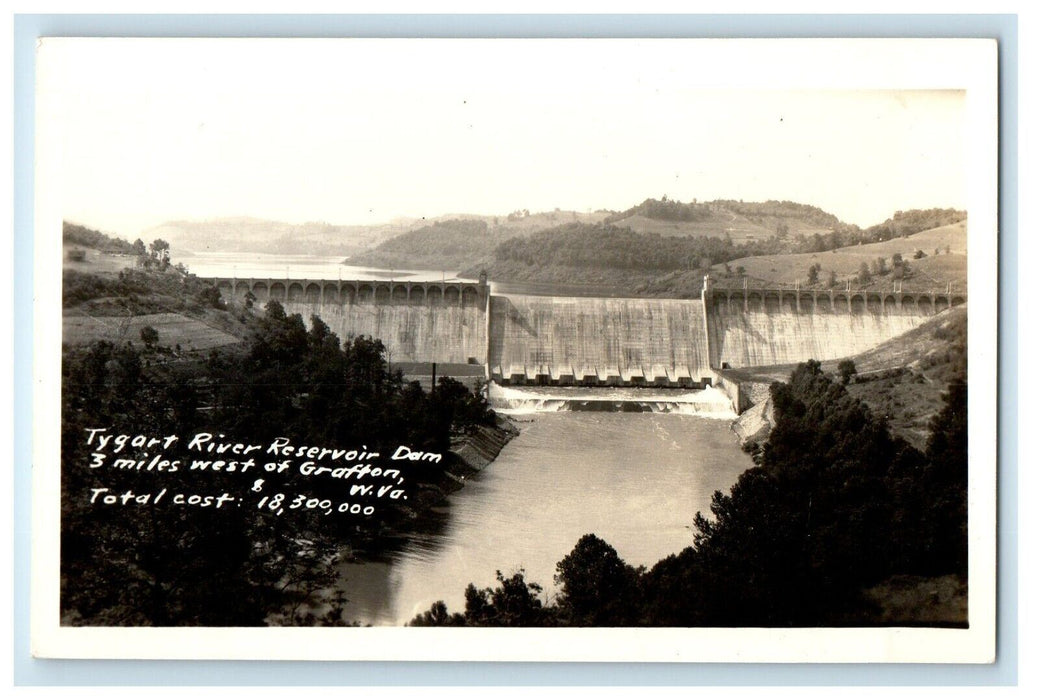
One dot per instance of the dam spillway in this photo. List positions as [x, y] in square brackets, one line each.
[548, 339]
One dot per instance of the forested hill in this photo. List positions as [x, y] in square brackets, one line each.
[766, 214]
[665, 209]
[639, 259]
[607, 246]
[906, 223]
[763, 212]
[460, 241]
[74, 234]
[741, 221]
[442, 245]
[608, 254]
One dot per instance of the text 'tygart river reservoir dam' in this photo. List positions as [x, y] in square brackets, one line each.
[589, 341]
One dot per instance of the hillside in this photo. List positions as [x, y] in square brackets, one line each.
[903, 223]
[588, 254]
[107, 294]
[456, 241]
[443, 245]
[943, 260]
[459, 241]
[741, 221]
[75, 235]
[246, 234]
[718, 224]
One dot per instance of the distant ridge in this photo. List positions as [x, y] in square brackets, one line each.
[612, 248]
[241, 234]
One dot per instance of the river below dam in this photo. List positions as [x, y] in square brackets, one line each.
[634, 479]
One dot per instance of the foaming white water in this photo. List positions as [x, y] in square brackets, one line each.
[709, 402]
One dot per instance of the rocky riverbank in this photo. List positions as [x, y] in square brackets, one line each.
[755, 424]
[479, 448]
[469, 454]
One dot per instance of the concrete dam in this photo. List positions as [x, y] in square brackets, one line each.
[586, 341]
[622, 342]
[755, 328]
[417, 322]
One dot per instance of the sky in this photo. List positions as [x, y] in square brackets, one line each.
[365, 131]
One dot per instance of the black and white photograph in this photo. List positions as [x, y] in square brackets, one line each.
[669, 341]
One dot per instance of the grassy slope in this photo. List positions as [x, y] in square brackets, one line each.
[721, 223]
[174, 329]
[119, 320]
[926, 273]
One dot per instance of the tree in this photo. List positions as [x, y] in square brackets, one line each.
[437, 616]
[901, 270]
[513, 603]
[832, 282]
[813, 273]
[880, 267]
[945, 482]
[598, 588]
[149, 336]
[846, 368]
[210, 297]
[160, 251]
[864, 275]
[139, 249]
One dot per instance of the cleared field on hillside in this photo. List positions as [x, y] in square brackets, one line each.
[926, 273]
[718, 226]
[739, 228]
[174, 329]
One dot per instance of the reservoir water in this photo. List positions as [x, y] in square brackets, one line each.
[323, 267]
[316, 267]
[634, 479]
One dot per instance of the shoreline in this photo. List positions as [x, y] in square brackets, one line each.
[469, 454]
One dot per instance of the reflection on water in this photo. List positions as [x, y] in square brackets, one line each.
[636, 480]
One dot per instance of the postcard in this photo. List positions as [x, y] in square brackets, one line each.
[515, 350]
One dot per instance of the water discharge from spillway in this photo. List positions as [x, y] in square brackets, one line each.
[707, 403]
